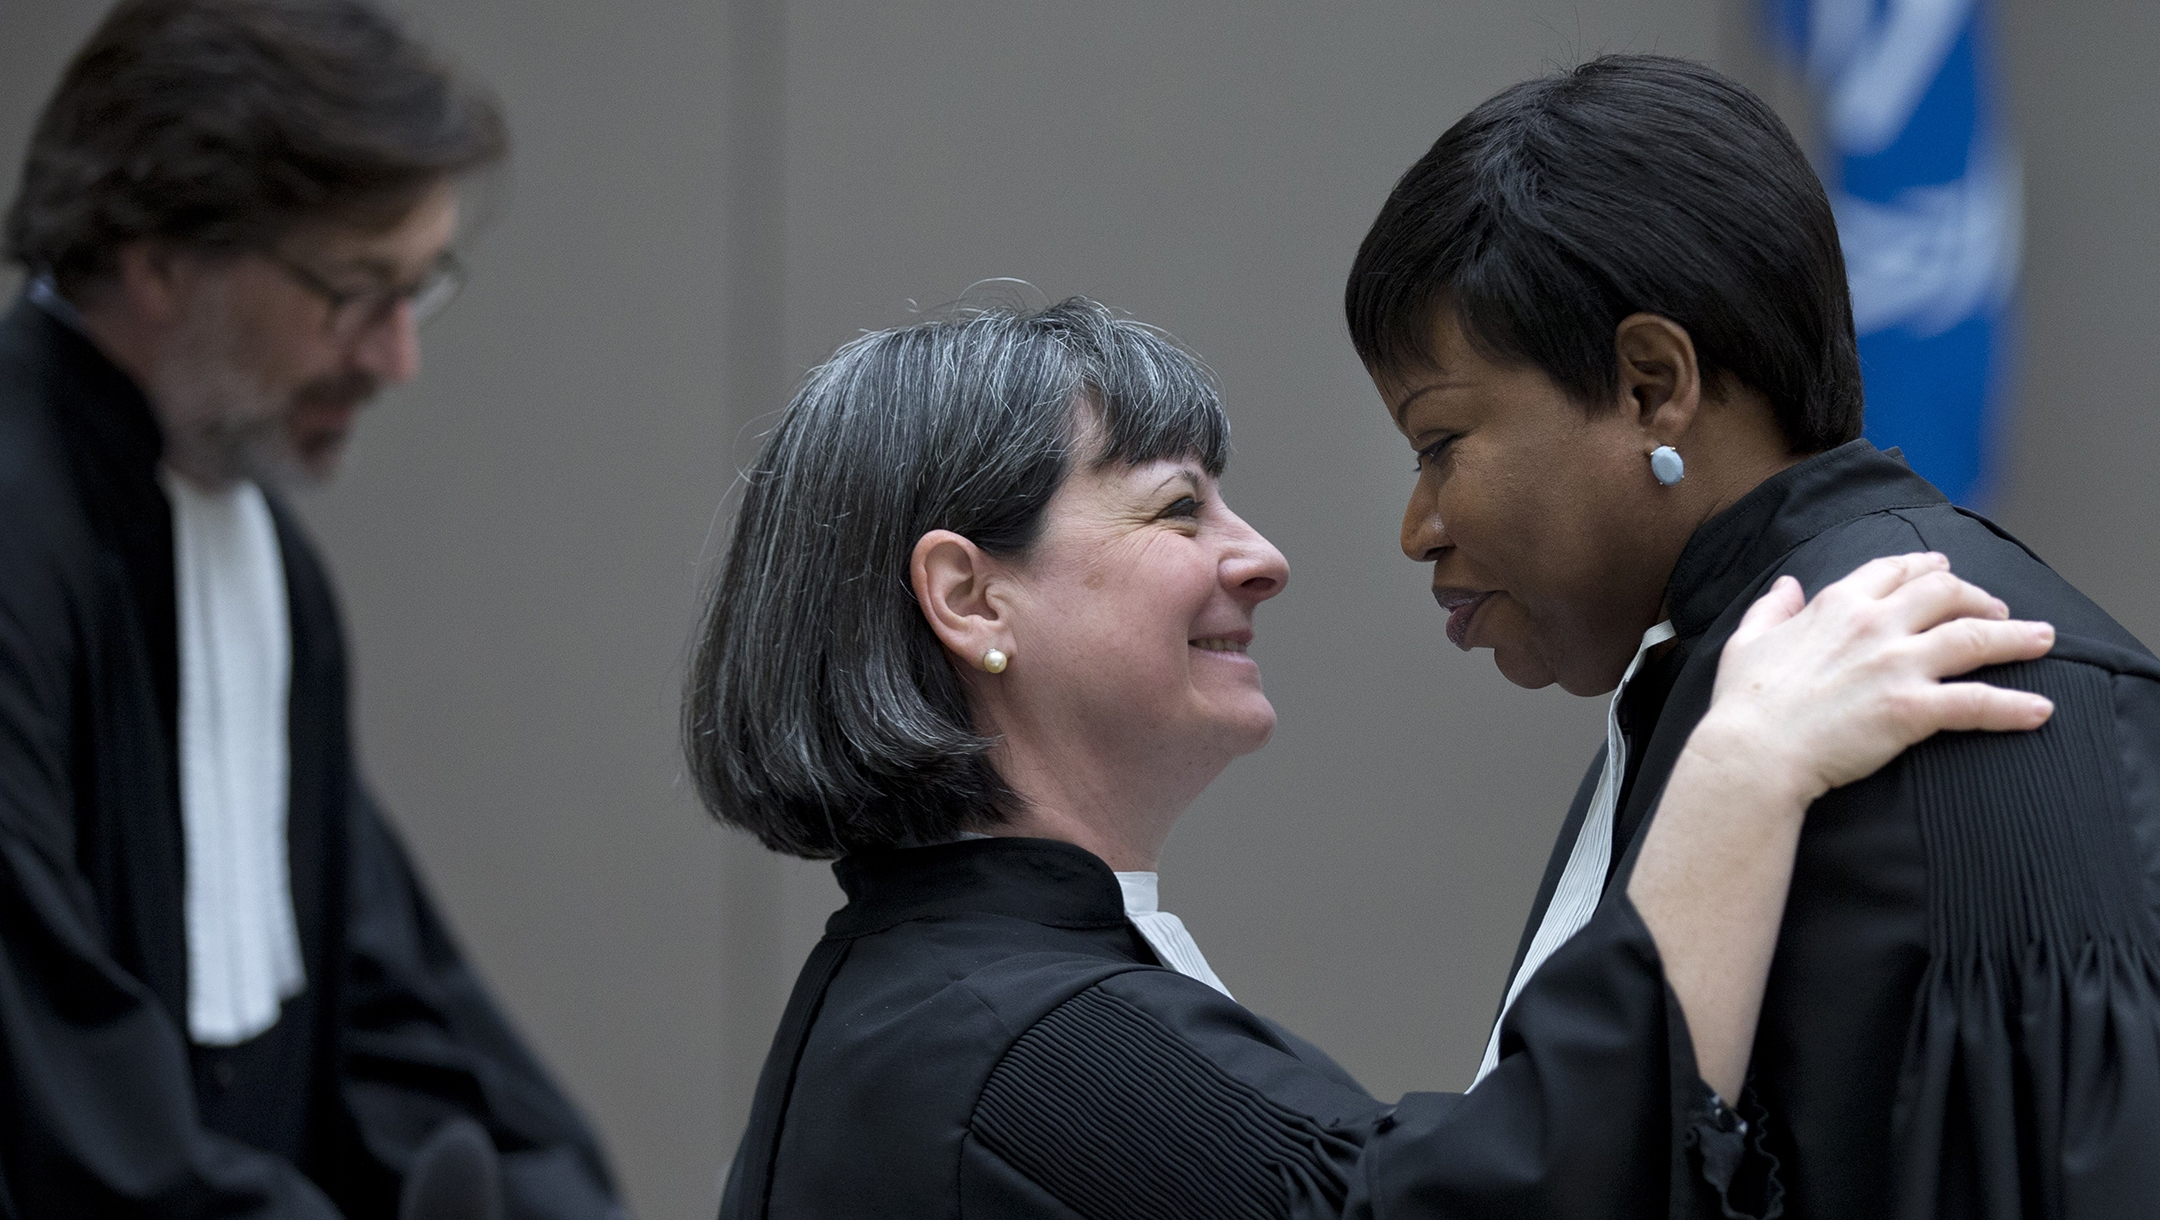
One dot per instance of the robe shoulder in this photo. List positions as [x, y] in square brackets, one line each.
[1151, 1094]
[1989, 907]
[49, 616]
[39, 501]
[1146, 1094]
[937, 1040]
[47, 548]
[2032, 1071]
[1978, 550]
[985, 1017]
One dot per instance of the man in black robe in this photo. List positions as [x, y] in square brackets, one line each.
[1963, 1016]
[222, 989]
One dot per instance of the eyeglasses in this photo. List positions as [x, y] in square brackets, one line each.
[354, 313]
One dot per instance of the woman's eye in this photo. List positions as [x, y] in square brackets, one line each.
[1431, 453]
[1183, 506]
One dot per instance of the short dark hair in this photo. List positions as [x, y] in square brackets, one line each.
[222, 124]
[821, 713]
[1633, 183]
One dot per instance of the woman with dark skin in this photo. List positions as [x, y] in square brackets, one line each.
[982, 633]
[1608, 313]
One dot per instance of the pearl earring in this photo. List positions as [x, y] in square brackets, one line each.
[1666, 466]
[994, 661]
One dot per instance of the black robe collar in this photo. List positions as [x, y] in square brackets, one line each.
[107, 414]
[1724, 562]
[113, 445]
[1042, 881]
[1734, 548]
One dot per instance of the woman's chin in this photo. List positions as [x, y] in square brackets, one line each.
[1257, 740]
[1523, 667]
[1241, 730]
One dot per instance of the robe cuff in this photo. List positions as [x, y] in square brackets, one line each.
[1726, 1144]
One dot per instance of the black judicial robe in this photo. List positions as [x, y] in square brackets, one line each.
[1963, 1016]
[106, 1109]
[982, 1032]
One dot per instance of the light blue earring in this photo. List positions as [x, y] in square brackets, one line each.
[1666, 466]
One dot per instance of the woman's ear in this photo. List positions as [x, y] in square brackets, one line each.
[953, 582]
[1659, 379]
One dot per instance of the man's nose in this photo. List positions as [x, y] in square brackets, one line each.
[389, 350]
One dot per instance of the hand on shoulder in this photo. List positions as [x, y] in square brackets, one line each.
[1820, 693]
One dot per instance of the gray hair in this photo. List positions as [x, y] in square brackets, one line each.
[821, 713]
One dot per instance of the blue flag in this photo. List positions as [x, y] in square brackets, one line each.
[1926, 186]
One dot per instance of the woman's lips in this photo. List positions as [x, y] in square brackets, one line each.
[1458, 620]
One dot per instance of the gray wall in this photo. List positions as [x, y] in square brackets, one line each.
[2085, 434]
[708, 197]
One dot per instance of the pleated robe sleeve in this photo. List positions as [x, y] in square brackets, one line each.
[1150, 1095]
[2031, 1079]
[95, 1077]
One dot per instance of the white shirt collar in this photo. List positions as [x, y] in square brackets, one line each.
[1140, 892]
[1165, 933]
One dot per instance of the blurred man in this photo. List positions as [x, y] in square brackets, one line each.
[222, 991]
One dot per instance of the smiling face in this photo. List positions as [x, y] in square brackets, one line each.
[1550, 542]
[1130, 620]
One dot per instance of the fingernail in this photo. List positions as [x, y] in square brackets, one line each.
[2044, 631]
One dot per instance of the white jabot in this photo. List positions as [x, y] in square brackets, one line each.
[1165, 932]
[235, 636]
[1582, 883]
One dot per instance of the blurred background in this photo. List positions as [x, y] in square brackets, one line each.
[709, 196]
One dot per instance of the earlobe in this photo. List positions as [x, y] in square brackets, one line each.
[954, 582]
[1659, 377]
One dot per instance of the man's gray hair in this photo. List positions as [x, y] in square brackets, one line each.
[821, 713]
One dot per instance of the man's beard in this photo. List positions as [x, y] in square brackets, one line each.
[224, 424]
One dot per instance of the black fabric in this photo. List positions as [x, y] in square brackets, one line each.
[1195, 1142]
[456, 1175]
[1961, 1015]
[1737, 1170]
[982, 1032]
[749, 1184]
[109, 1110]
[2039, 1013]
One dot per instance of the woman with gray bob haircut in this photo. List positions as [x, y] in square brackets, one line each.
[823, 717]
[981, 635]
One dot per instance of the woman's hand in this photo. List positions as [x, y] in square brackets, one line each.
[1823, 693]
[1809, 696]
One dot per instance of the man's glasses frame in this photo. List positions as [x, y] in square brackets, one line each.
[354, 313]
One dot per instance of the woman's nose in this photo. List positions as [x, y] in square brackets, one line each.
[1254, 570]
[1424, 537]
